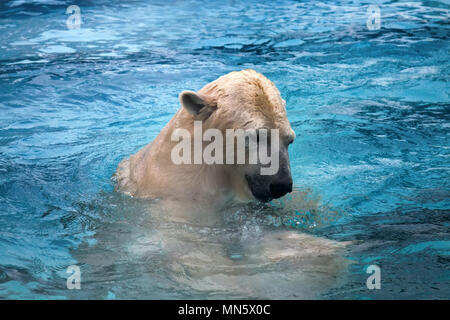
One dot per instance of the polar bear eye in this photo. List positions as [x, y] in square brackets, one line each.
[291, 137]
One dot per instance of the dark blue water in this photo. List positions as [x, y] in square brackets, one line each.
[370, 109]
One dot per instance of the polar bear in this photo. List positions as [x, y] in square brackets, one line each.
[195, 211]
[238, 100]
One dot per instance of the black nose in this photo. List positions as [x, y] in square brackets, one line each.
[279, 189]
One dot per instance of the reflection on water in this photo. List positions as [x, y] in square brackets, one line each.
[370, 109]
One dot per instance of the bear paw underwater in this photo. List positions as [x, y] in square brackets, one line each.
[243, 101]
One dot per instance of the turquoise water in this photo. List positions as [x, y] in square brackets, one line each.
[370, 109]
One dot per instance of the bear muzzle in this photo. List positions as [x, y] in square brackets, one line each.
[265, 190]
[279, 189]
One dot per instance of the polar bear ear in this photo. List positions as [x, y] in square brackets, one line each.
[195, 104]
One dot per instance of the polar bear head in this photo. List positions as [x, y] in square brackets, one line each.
[249, 101]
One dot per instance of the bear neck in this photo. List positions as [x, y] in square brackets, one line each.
[199, 182]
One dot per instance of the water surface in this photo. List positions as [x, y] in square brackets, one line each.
[370, 109]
